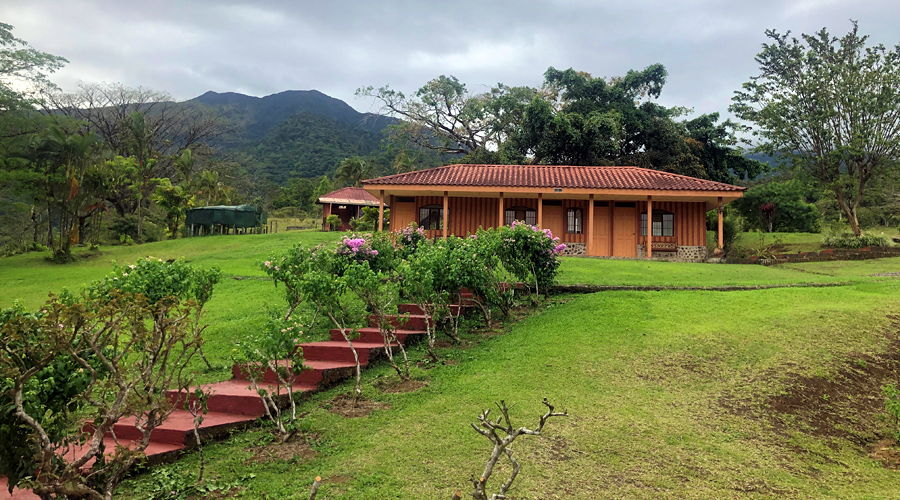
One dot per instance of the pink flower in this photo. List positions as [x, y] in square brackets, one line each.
[268, 263]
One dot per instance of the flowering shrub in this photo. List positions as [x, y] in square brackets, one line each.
[530, 253]
[409, 238]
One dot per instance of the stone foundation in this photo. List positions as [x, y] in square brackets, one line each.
[683, 254]
[575, 249]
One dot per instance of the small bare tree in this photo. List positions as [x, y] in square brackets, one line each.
[130, 352]
[492, 429]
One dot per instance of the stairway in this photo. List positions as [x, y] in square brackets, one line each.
[234, 404]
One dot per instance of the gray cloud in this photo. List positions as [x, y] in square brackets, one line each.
[259, 48]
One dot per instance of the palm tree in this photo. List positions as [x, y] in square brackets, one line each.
[353, 171]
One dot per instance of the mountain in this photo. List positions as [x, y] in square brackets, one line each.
[295, 133]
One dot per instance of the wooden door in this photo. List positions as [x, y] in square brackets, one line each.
[600, 245]
[553, 220]
[402, 214]
[624, 232]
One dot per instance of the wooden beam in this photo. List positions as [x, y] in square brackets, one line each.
[721, 226]
[589, 246]
[649, 241]
[381, 211]
[391, 221]
[540, 211]
[446, 211]
[502, 214]
[612, 235]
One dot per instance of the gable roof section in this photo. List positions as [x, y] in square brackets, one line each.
[350, 196]
[552, 176]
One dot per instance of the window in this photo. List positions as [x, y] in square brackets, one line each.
[524, 214]
[574, 221]
[406, 199]
[663, 223]
[431, 217]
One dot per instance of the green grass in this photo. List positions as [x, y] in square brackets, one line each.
[641, 374]
[644, 273]
[31, 276]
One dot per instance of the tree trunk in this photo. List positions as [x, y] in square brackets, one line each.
[849, 211]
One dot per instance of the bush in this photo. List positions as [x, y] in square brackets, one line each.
[786, 208]
[530, 253]
[732, 229]
[848, 240]
[333, 222]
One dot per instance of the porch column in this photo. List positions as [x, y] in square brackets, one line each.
[540, 211]
[721, 226]
[500, 217]
[446, 209]
[391, 221]
[649, 241]
[590, 226]
[612, 235]
[381, 211]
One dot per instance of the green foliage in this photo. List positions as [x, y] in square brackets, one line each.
[333, 222]
[892, 407]
[835, 239]
[159, 280]
[789, 211]
[825, 105]
[22, 64]
[308, 145]
[49, 395]
[530, 253]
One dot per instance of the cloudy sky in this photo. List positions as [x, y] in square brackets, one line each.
[186, 47]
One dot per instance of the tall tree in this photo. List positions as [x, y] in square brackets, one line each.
[830, 106]
[23, 66]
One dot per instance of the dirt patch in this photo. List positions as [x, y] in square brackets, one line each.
[847, 405]
[444, 344]
[345, 406]
[886, 275]
[233, 492]
[338, 479]
[405, 386]
[886, 451]
[298, 449]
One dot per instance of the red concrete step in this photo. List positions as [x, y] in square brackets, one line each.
[314, 373]
[404, 321]
[373, 335]
[179, 427]
[339, 350]
[416, 309]
[155, 453]
[233, 396]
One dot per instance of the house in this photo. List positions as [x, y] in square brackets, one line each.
[347, 204]
[597, 211]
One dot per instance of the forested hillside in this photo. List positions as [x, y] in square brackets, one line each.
[296, 133]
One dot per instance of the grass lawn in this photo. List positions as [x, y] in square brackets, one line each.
[669, 393]
[635, 272]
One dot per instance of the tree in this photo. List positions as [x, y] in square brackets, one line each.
[22, 64]
[779, 206]
[830, 106]
[353, 171]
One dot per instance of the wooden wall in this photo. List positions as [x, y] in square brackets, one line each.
[466, 215]
[690, 222]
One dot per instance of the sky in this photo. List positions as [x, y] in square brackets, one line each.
[187, 47]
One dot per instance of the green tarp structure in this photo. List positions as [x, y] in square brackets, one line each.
[241, 216]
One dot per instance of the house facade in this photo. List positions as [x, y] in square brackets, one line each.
[347, 204]
[614, 211]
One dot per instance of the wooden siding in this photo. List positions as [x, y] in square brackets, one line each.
[690, 222]
[467, 214]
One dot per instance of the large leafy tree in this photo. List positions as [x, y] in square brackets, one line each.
[21, 68]
[830, 106]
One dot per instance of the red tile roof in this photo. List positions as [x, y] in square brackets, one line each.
[547, 176]
[349, 196]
